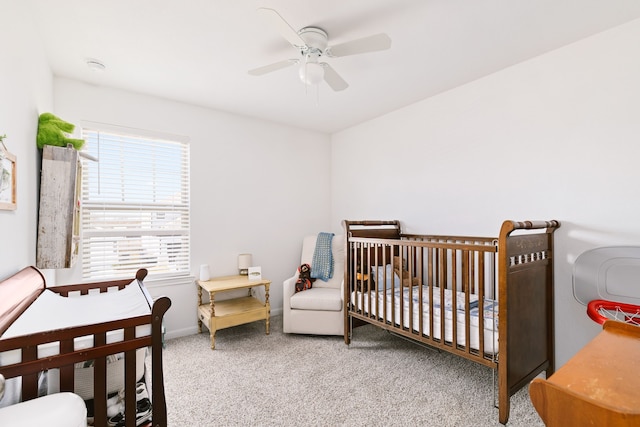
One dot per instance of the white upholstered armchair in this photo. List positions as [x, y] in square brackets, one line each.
[319, 310]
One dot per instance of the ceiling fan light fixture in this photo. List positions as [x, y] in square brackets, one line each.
[311, 73]
[312, 43]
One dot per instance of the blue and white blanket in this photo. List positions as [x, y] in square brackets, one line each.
[322, 262]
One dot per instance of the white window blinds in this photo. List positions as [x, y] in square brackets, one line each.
[134, 206]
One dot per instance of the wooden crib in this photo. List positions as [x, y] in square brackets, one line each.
[22, 290]
[493, 294]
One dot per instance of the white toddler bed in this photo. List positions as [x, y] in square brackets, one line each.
[64, 329]
[78, 310]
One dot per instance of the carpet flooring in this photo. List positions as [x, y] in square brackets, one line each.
[254, 379]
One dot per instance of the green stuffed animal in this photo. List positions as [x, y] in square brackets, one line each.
[52, 131]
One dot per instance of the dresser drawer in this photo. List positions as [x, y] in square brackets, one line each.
[204, 313]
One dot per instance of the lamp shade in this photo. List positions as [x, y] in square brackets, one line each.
[244, 262]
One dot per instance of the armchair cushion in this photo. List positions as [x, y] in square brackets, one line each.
[325, 299]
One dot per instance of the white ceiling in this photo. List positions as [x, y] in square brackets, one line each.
[199, 51]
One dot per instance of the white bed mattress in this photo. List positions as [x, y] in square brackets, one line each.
[52, 311]
[490, 313]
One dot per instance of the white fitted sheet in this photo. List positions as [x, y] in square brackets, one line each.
[489, 311]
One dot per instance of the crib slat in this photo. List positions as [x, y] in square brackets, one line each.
[410, 285]
[100, 383]
[67, 372]
[373, 303]
[396, 257]
[454, 297]
[417, 266]
[430, 281]
[481, 282]
[130, 380]
[443, 285]
[467, 288]
[29, 381]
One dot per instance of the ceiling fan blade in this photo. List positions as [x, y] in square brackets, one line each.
[366, 44]
[272, 67]
[333, 79]
[282, 26]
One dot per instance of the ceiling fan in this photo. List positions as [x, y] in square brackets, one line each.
[312, 43]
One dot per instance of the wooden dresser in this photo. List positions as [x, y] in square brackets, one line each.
[599, 386]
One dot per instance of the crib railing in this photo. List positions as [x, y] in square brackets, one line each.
[383, 274]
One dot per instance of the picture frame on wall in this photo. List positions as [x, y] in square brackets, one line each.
[7, 180]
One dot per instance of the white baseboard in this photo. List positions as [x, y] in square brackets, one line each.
[181, 333]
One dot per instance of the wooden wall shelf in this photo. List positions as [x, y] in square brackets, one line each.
[58, 216]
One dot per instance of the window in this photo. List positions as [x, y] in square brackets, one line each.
[134, 204]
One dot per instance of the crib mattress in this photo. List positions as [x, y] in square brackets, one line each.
[393, 298]
[51, 311]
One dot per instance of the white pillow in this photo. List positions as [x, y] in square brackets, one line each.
[385, 271]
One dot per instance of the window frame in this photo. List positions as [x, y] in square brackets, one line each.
[140, 228]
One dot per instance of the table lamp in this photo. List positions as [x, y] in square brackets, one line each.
[244, 262]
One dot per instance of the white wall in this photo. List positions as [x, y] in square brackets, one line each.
[256, 187]
[555, 137]
[25, 91]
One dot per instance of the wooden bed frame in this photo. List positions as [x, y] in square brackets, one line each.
[20, 290]
[516, 269]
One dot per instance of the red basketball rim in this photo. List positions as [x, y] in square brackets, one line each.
[595, 308]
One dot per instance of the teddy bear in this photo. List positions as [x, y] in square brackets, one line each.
[403, 272]
[304, 278]
[52, 131]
